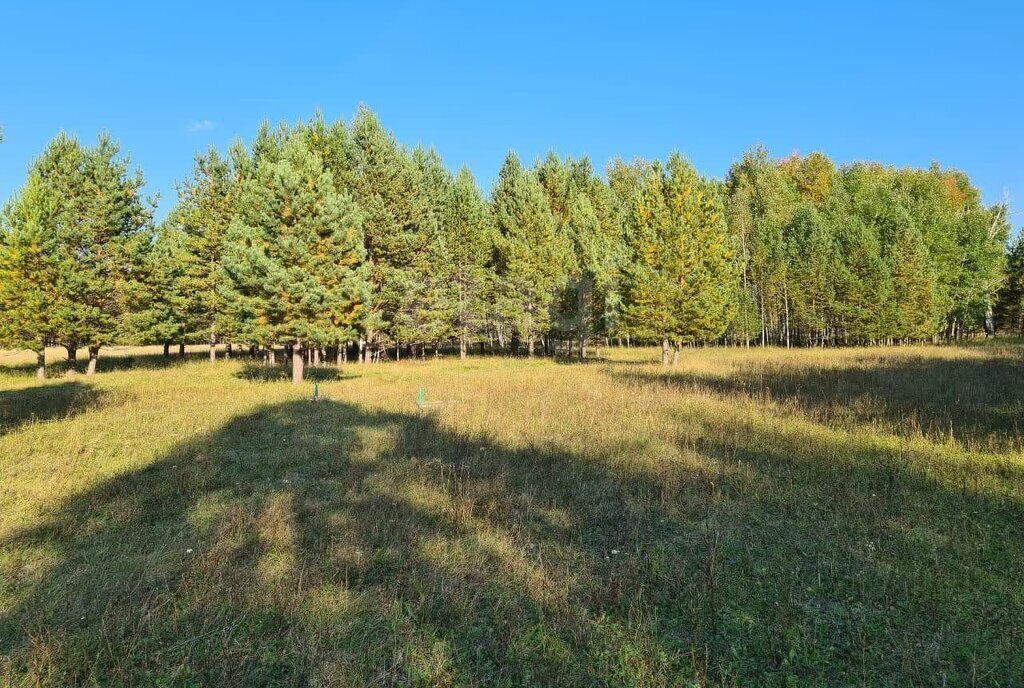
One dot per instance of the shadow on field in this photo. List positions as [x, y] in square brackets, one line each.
[975, 401]
[44, 402]
[108, 362]
[329, 544]
[112, 359]
[258, 372]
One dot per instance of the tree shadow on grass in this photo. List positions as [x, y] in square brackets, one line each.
[591, 359]
[256, 372]
[108, 362]
[888, 564]
[329, 544]
[979, 402]
[44, 402]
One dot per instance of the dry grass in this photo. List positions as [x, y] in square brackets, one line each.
[752, 517]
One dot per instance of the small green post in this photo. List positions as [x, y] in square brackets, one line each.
[421, 398]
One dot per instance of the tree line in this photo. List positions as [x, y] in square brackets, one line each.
[331, 239]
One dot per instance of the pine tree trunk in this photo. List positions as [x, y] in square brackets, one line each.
[675, 354]
[583, 347]
[167, 349]
[227, 350]
[213, 349]
[271, 356]
[72, 350]
[316, 356]
[41, 364]
[462, 347]
[529, 348]
[94, 354]
[181, 349]
[664, 351]
[297, 363]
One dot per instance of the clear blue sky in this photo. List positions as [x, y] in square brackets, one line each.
[901, 83]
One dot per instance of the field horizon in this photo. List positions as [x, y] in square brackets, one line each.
[748, 517]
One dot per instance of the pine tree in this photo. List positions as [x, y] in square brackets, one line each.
[532, 256]
[28, 271]
[294, 256]
[462, 267]
[107, 247]
[164, 316]
[97, 231]
[332, 143]
[863, 285]
[399, 229]
[56, 205]
[205, 210]
[430, 312]
[591, 226]
[1009, 311]
[679, 281]
[811, 267]
[471, 237]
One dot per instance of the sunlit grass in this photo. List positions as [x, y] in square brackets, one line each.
[841, 517]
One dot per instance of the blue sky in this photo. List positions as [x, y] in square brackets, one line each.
[903, 84]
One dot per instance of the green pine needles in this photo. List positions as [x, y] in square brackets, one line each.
[333, 239]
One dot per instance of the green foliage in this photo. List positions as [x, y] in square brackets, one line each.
[468, 239]
[399, 228]
[431, 313]
[27, 269]
[164, 316]
[293, 256]
[533, 257]
[206, 207]
[75, 243]
[1010, 307]
[683, 263]
[864, 253]
[589, 220]
[792, 251]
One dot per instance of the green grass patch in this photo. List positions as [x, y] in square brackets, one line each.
[764, 518]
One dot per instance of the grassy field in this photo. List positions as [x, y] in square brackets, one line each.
[755, 518]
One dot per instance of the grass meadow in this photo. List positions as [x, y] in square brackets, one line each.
[749, 517]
